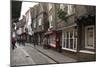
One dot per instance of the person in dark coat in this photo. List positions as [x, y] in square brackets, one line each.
[45, 42]
[58, 45]
[23, 39]
[13, 42]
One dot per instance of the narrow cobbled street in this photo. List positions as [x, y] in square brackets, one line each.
[30, 55]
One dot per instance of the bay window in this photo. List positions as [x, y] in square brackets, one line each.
[89, 37]
[69, 40]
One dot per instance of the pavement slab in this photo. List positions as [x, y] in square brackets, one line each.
[30, 55]
[54, 55]
[20, 57]
[26, 55]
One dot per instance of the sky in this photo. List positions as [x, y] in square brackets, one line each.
[26, 6]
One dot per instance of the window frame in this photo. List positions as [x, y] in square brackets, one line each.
[64, 40]
[86, 46]
[34, 24]
[50, 21]
[50, 6]
[70, 9]
[62, 6]
[40, 22]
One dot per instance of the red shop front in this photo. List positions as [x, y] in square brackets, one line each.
[53, 39]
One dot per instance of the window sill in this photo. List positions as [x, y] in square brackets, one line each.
[69, 49]
[86, 51]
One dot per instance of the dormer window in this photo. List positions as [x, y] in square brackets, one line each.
[70, 10]
[62, 6]
[50, 6]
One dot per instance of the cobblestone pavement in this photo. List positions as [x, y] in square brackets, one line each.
[30, 55]
[26, 55]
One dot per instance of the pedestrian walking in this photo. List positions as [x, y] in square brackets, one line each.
[45, 42]
[23, 39]
[13, 42]
[18, 39]
[58, 45]
[34, 42]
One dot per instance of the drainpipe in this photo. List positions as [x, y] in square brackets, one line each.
[78, 38]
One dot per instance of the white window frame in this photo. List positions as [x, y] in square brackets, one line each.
[29, 19]
[50, 21]
[86, 46]
[40, 21]
[52, 40]
[73, 39]
[69, 40]
[62, 6]
[65, 37]
[41, 7]
[70, 9]
[50, 6]
[62, 39]
[76, 40]
[34, 24]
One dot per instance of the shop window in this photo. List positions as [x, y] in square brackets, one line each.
[69, 40]
[75, 40]
[63, 40]
[71, 43]
[52, 40]
[64, 45]
[89, 37]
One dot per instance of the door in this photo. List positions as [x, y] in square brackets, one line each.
[89, 37]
